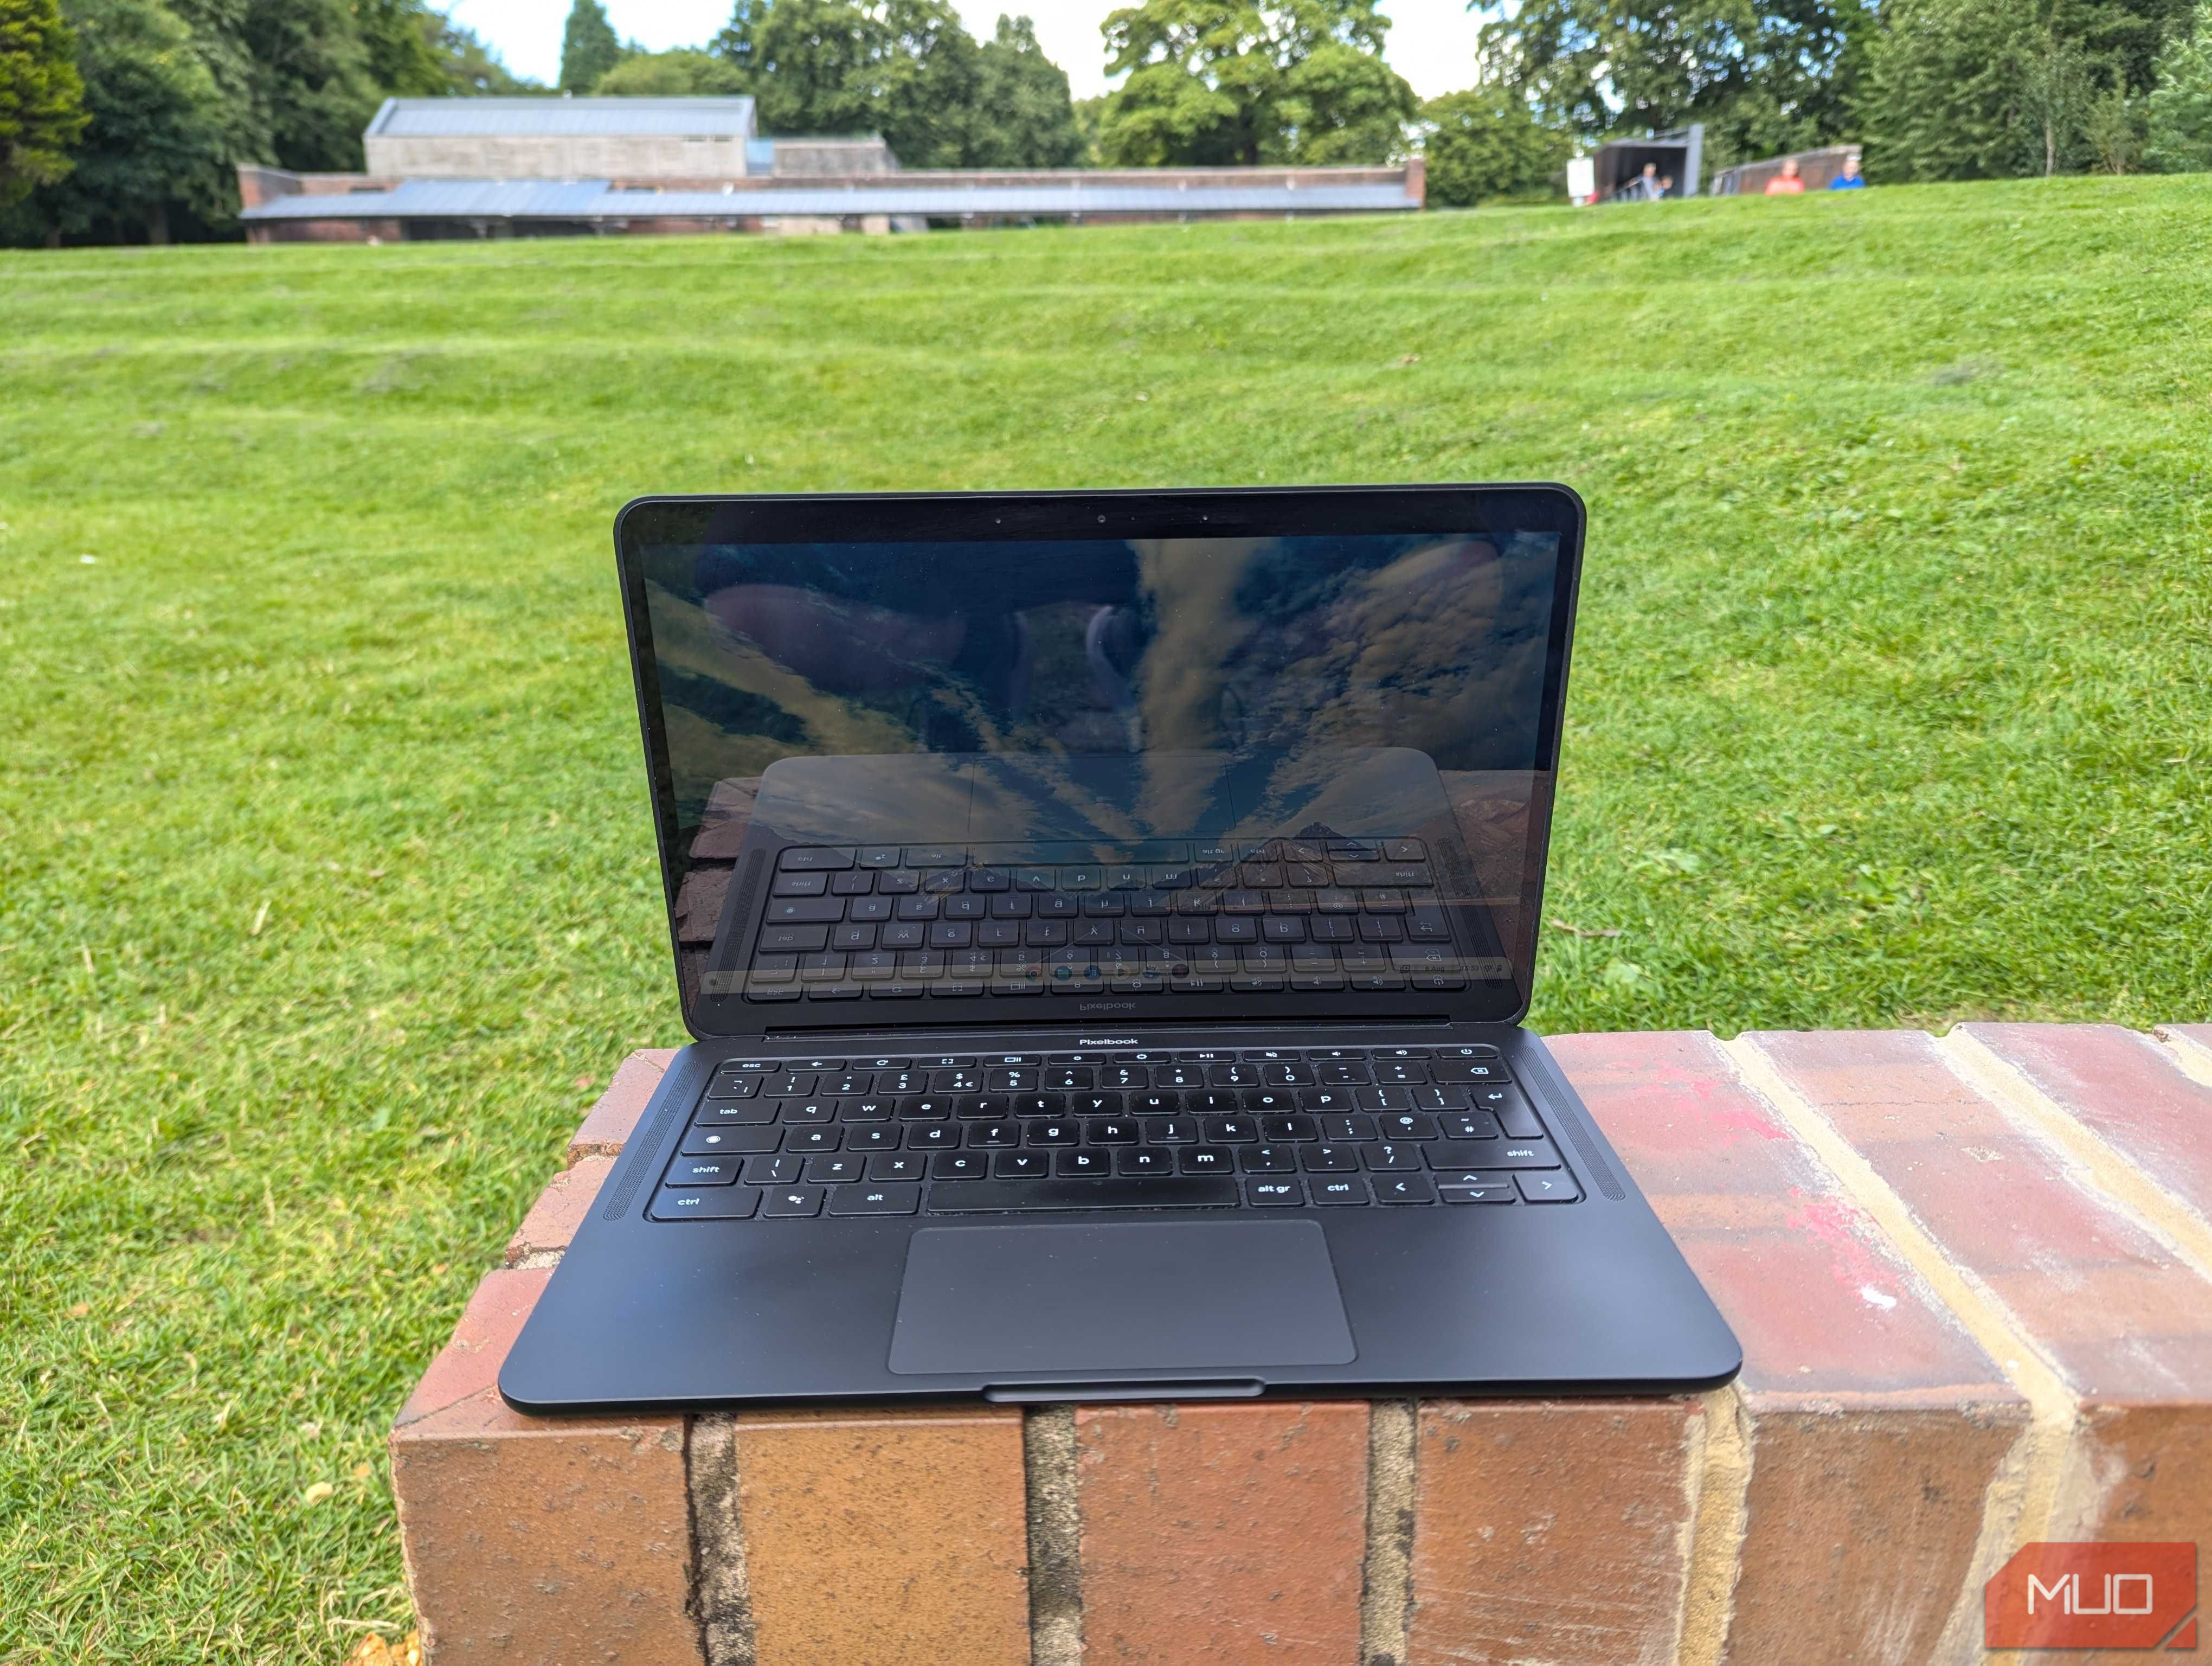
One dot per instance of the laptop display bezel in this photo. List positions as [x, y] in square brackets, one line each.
[1215, 512]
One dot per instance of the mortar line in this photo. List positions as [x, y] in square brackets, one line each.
[2012, 1513]
[2177, 1227]
[1386, 1572]
[1051, 1480]
[2190, 1056]
[1719, 1489]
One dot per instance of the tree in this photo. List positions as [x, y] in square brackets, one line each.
[679, 74]
[1213, 81]
[811, 65]
[909, 71]
[1967, 89]
[1486, 144]
[2180, 105]
[1023, 115]
[588, 47]
[41, 97]
[155, 139]
[397, 36]
[1775, 77]
[925, 77]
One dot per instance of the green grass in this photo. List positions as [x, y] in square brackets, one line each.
[326, 895]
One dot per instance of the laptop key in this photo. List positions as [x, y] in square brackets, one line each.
[1337, 1190]
[1273, 1194]
[723, 1142]
[1555, 1187]
[1498, 1189]
[774, 1169]
[1120, 1192]
[718, 1203]
[959, 1165]
[895, 1165]
[791, 1202]
[701, 1172]
[733, 1113]
[890, 1199]
[805, 859]
[834, 1167]
[1404, 1188]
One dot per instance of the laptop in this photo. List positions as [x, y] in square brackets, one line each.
[1104, 921]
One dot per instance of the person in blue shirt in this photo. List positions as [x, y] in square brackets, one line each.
[1850, 178]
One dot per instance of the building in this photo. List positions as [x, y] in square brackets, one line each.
[1815, 167]
[1614, 172]
[542, 166]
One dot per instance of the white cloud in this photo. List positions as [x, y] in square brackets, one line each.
[1431, 44]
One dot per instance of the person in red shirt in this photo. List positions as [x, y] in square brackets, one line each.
[1787, 183]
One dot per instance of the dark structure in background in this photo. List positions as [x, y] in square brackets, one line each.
[541, 168]
[1620, 165]
[1816, 167]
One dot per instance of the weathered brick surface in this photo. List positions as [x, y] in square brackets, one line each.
[1860, 1389]
[611, 1120]
[533, 1541]
[2093, 1289]
[1222, 1534]
[1551, 1530]
[559, 1211]
[884, 1538]
[1985, 1323]
[2123, 1087]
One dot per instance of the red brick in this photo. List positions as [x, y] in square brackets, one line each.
[1551, 1530]
[1860, 1389]
[2104, 1299]
[1221, 1534]
[1821, 1300]
[2126, 1325]
[533, 1542]
[538, 1540]
[609, 1122]
[2194, 1034]
[469, 1363]
[560, 1210]
[2125, 1088]
[884, 1538]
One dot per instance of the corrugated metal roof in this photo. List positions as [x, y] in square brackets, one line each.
[947, 201]
[547, 117]
[592, 199]
[435, 199]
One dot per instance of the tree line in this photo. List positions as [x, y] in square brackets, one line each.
[125, 119]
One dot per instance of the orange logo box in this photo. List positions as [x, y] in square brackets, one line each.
[2093, 1596]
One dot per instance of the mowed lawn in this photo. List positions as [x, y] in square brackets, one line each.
[326, 893]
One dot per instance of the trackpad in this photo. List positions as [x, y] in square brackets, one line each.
[1214, 1295]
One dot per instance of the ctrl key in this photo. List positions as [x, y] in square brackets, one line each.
[720, 1203]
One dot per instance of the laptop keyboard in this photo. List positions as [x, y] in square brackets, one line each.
[1204, 1128]
[900, 922]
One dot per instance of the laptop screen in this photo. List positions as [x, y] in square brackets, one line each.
[1097, 759]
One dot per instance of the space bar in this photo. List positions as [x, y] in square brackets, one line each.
[978, 1196]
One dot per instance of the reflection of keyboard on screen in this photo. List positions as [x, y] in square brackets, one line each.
[899, 923]
[958, 1133]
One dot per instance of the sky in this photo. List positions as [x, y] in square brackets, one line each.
[1431, 42]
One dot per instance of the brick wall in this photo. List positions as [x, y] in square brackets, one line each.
[1972, 1277]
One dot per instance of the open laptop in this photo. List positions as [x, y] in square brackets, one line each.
[1105, 921]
